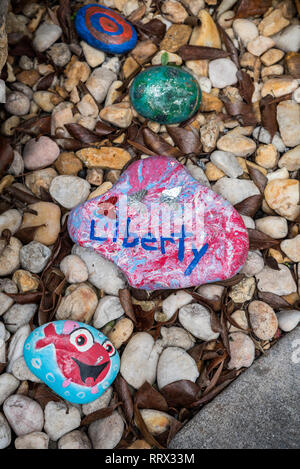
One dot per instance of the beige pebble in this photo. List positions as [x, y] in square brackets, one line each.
[68, 164]
[119, 114]
[49, 216]
[121, 332]
[239, 146]
[242, 351]
[207, 33]
[291, 159]
[40, 179]
[100, 190]
[273, 23]
[291, 247]
[282, 195]
[260, 45]
[25, 280]
[288, 117]
[279, 86]
[267, 156]
[263, 320]
[104, 157]
[174, 11]
[271, 57]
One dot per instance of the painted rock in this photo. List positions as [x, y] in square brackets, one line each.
[74, 359]
[165, 94]
[163, 228]
[105, 29]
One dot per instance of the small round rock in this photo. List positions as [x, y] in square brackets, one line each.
[34, 256]
[242, 351]
[17, 103]
[263, 320]
[23, 414]
[39, 153]
[69, 191]
[175, 364]
[195, 318]
[74, 269]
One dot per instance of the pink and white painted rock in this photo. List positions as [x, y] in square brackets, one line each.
[162, 228]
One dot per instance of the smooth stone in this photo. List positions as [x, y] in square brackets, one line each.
[267, 156]
[8, 385]
[206, 34]
[34, 256]
[195, 318]
[100, 403]
[17, 103]
[239, 316]
[39, 153]
[100, 436]
[74, 269]
[282, 195]
[291, 159]
[235, 190]
[16, 345]
[60, 419]
[263, 320]
[109, 308]
[245, 29]
[273, 23]
[74, 440]
[291, 247]
[67, 163]
[211, 292]
[45, 36]
[103, 274]
[253, 265]
[99, 83]
[174, 11]
[239, 145]
[48, 215]
[288, 118]
[158, 180]
[227, 163]
[280, 281]
[78, 303]
[81, 363]
[260, 45]
[119, 115]
[165, 94]
[17, 166]
[222, 73]
[39, 180]
[69, 191]
[104, 157]
[121, 332]
[23, 414]
[60, 54]
[176, 36]
[288, 40]
[93, 56]
[175, 364]
[279, 86]
[273, 226]
[242, 351]
[19, 315]
[10, 257]
[139, 359]
[288, 320]
[5, 432]
[172, 303]
[78, 71]
[33, 440]
[177, 337]
[105, 29]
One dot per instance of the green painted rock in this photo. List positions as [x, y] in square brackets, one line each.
[165, 94]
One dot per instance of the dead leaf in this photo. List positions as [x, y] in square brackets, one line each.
[268, 109]
[247, 8]
[144, 430]
[259, 240]
[157, 144]
[188, 52]
[6, 155]
[45, 82]
[249, 206]
[275, 301]
[186, 140]
[259, 179]
[146, 397]
[99, 414]
[126, 303]
[181, 393]
[81, 133]
[125, 397]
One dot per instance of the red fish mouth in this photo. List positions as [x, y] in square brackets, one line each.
[89, 371]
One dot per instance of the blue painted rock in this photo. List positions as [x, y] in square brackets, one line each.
[165, 94]
[105, 29]
[74, 359]
[163, 228]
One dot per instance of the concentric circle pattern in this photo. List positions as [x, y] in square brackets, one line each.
[105, 29]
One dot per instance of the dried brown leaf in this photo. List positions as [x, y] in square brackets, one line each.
[45, 82]
[26, 298]
[124, 396]
[188, 52]
[249, 206]
[274, 301]
[247, 8]
[186, 140]
[36, 126]
[259, 240]
[81, 133]
[246, 86]
[147, 397]
[230, 47]
[144, 430]
[268, 111]
[6, 155]
[181, 393]
[259, 179]
[157, 144]
[99, 414]
[125, 300]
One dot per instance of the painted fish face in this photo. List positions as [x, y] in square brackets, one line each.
[73, 358]
[80, 359]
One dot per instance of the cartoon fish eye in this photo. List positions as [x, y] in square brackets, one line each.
[109, 348]
[82, 339]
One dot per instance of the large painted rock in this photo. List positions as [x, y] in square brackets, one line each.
[163, 228]
[74, 359]
[165, 94]
[105, 29]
